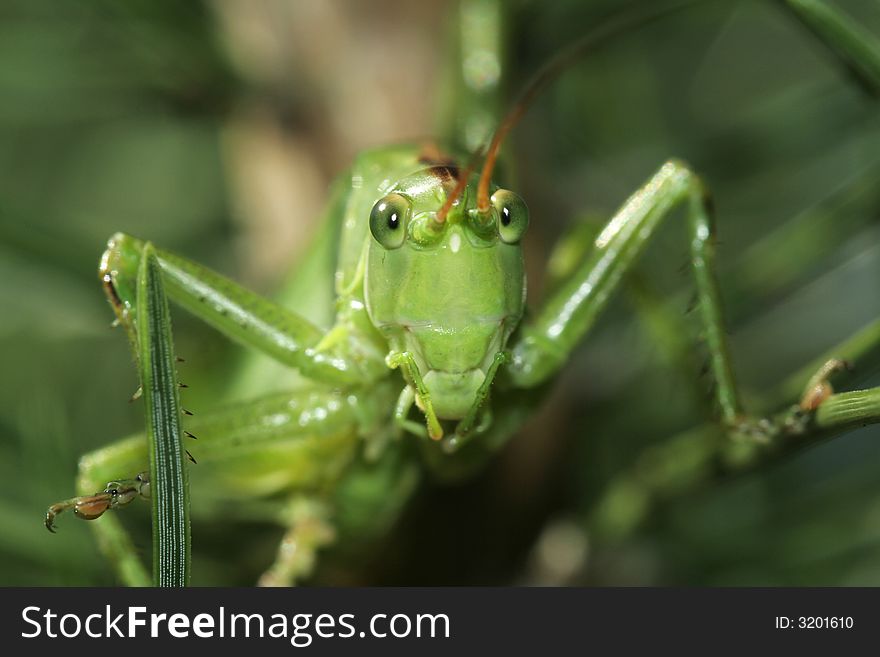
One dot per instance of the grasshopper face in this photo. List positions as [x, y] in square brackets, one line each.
[449, 291]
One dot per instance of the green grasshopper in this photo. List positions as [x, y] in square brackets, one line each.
[430, 358]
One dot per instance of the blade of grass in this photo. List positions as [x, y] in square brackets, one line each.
[861, 350]
[169, 486]
[849, 410]
[854, 46]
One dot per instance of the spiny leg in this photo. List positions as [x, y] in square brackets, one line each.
[235, 311]
[694, 457]
[571, 311]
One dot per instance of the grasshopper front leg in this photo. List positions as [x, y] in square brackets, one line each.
[568, 315]
[112, 538]
[236, 312]
[90, 507]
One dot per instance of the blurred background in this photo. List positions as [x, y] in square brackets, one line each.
[215, 128]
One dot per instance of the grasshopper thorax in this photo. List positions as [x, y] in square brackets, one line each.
[450, 291]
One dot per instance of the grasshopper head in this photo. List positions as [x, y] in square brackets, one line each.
[449, 290]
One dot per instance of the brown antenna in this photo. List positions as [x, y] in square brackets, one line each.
[463, 176]
[453, 197]
[613, 27]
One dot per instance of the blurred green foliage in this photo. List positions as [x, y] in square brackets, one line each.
[115, 117]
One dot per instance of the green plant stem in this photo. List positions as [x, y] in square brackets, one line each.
[168, 474]
[705, 454]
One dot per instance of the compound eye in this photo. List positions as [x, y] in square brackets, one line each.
[513, 215]
[388, 220]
